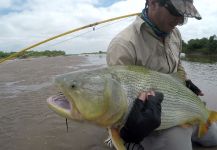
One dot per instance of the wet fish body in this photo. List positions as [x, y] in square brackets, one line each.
[105, 96]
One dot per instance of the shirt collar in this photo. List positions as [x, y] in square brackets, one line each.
[156, 30]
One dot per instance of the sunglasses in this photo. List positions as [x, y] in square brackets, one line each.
[172, 10]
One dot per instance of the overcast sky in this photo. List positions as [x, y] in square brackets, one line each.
[26, 22]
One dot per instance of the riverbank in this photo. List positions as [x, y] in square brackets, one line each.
[199, 58]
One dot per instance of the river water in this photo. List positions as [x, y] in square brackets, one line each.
[27, 123]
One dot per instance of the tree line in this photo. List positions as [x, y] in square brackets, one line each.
[204, 46]
[207, 46]
[27, 54]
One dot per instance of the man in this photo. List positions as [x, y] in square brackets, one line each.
[153, 41]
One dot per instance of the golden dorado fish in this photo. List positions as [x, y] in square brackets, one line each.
[105, 96]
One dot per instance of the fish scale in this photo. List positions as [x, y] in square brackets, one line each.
[179, 105]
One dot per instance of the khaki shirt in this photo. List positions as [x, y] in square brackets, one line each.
[138, 45]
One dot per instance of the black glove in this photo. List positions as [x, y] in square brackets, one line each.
[193, 87]
[143, 118]
[133, 146]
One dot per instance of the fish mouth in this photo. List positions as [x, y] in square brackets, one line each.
[60, 105]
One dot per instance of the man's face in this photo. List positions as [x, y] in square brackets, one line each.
[163, 19]
[166, 21]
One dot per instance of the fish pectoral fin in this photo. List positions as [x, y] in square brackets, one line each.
[108, 142]
[203, 128]
[116, 139]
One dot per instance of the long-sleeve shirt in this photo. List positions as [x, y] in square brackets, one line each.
[139, 45]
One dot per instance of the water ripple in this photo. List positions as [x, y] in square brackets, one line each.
[11, 89]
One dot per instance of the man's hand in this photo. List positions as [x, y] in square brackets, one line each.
[144, 117]
[143, 96]
[193, 88]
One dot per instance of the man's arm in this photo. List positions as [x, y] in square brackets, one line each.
[120, 52]
[188, 82]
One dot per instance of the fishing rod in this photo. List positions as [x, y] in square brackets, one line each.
[21, 52]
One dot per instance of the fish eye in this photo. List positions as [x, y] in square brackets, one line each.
[73, 86]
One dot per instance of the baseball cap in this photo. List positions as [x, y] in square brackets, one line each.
[185, 8]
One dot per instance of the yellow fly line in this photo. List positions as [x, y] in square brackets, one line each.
[63, 34]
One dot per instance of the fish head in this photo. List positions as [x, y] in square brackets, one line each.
[91, 95]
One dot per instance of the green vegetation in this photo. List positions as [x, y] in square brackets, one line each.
[5, 54]
[47, 53]
[204, 46]
[27, 54]
[207, 46]
[200, 58]
[99, 52]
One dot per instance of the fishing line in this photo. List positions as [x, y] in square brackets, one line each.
[67, 127]
[79, 35]
[94, 29]
[63, 34]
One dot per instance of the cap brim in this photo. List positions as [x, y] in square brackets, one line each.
[186, 8]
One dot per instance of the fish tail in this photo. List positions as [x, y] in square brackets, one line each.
[203, 127]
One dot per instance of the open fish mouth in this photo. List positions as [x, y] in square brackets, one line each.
[60, 105]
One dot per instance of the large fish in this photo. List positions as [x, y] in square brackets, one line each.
[105, 96]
